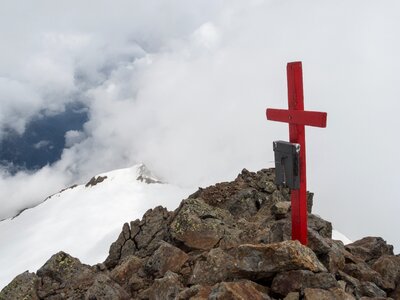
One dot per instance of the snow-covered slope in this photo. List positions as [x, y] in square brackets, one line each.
[82, 221]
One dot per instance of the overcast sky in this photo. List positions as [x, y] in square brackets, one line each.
[183, 85]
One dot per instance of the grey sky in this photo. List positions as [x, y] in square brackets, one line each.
[183, 87]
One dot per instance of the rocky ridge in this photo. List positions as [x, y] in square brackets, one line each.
[227, 241]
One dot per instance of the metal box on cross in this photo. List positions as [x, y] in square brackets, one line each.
[287, 164]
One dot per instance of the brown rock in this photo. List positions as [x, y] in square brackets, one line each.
[166, 258]
[332, 294]
[298, 280]
[266, 260]
[124, 271]
[24, 286]
[243, 289]
[370, 248]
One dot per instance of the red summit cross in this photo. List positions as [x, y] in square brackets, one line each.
[297, 118]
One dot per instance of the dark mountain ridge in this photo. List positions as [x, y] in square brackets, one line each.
[227, 241]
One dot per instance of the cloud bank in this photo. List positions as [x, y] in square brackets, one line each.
[183, 87]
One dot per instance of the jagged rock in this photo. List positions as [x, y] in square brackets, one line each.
[166, 258]
[106, 289]
[389, 267]
[331, 294]
[165, 288]
[115, 251]
[269, 259]
[24, 286]
[65, 274]
[298, 280]
[95, 180]
[238, 290]
[152, 229]
[370, 248]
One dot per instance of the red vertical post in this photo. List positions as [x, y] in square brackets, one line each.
[297, 135]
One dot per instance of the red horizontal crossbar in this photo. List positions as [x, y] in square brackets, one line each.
[300, 117]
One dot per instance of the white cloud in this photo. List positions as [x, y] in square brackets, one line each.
[183, 87]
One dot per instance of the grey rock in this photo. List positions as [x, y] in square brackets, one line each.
[24, 286]
[298, 280]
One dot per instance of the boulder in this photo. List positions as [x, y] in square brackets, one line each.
[265, 260]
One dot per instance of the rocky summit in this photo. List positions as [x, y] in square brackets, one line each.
[227, 241]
